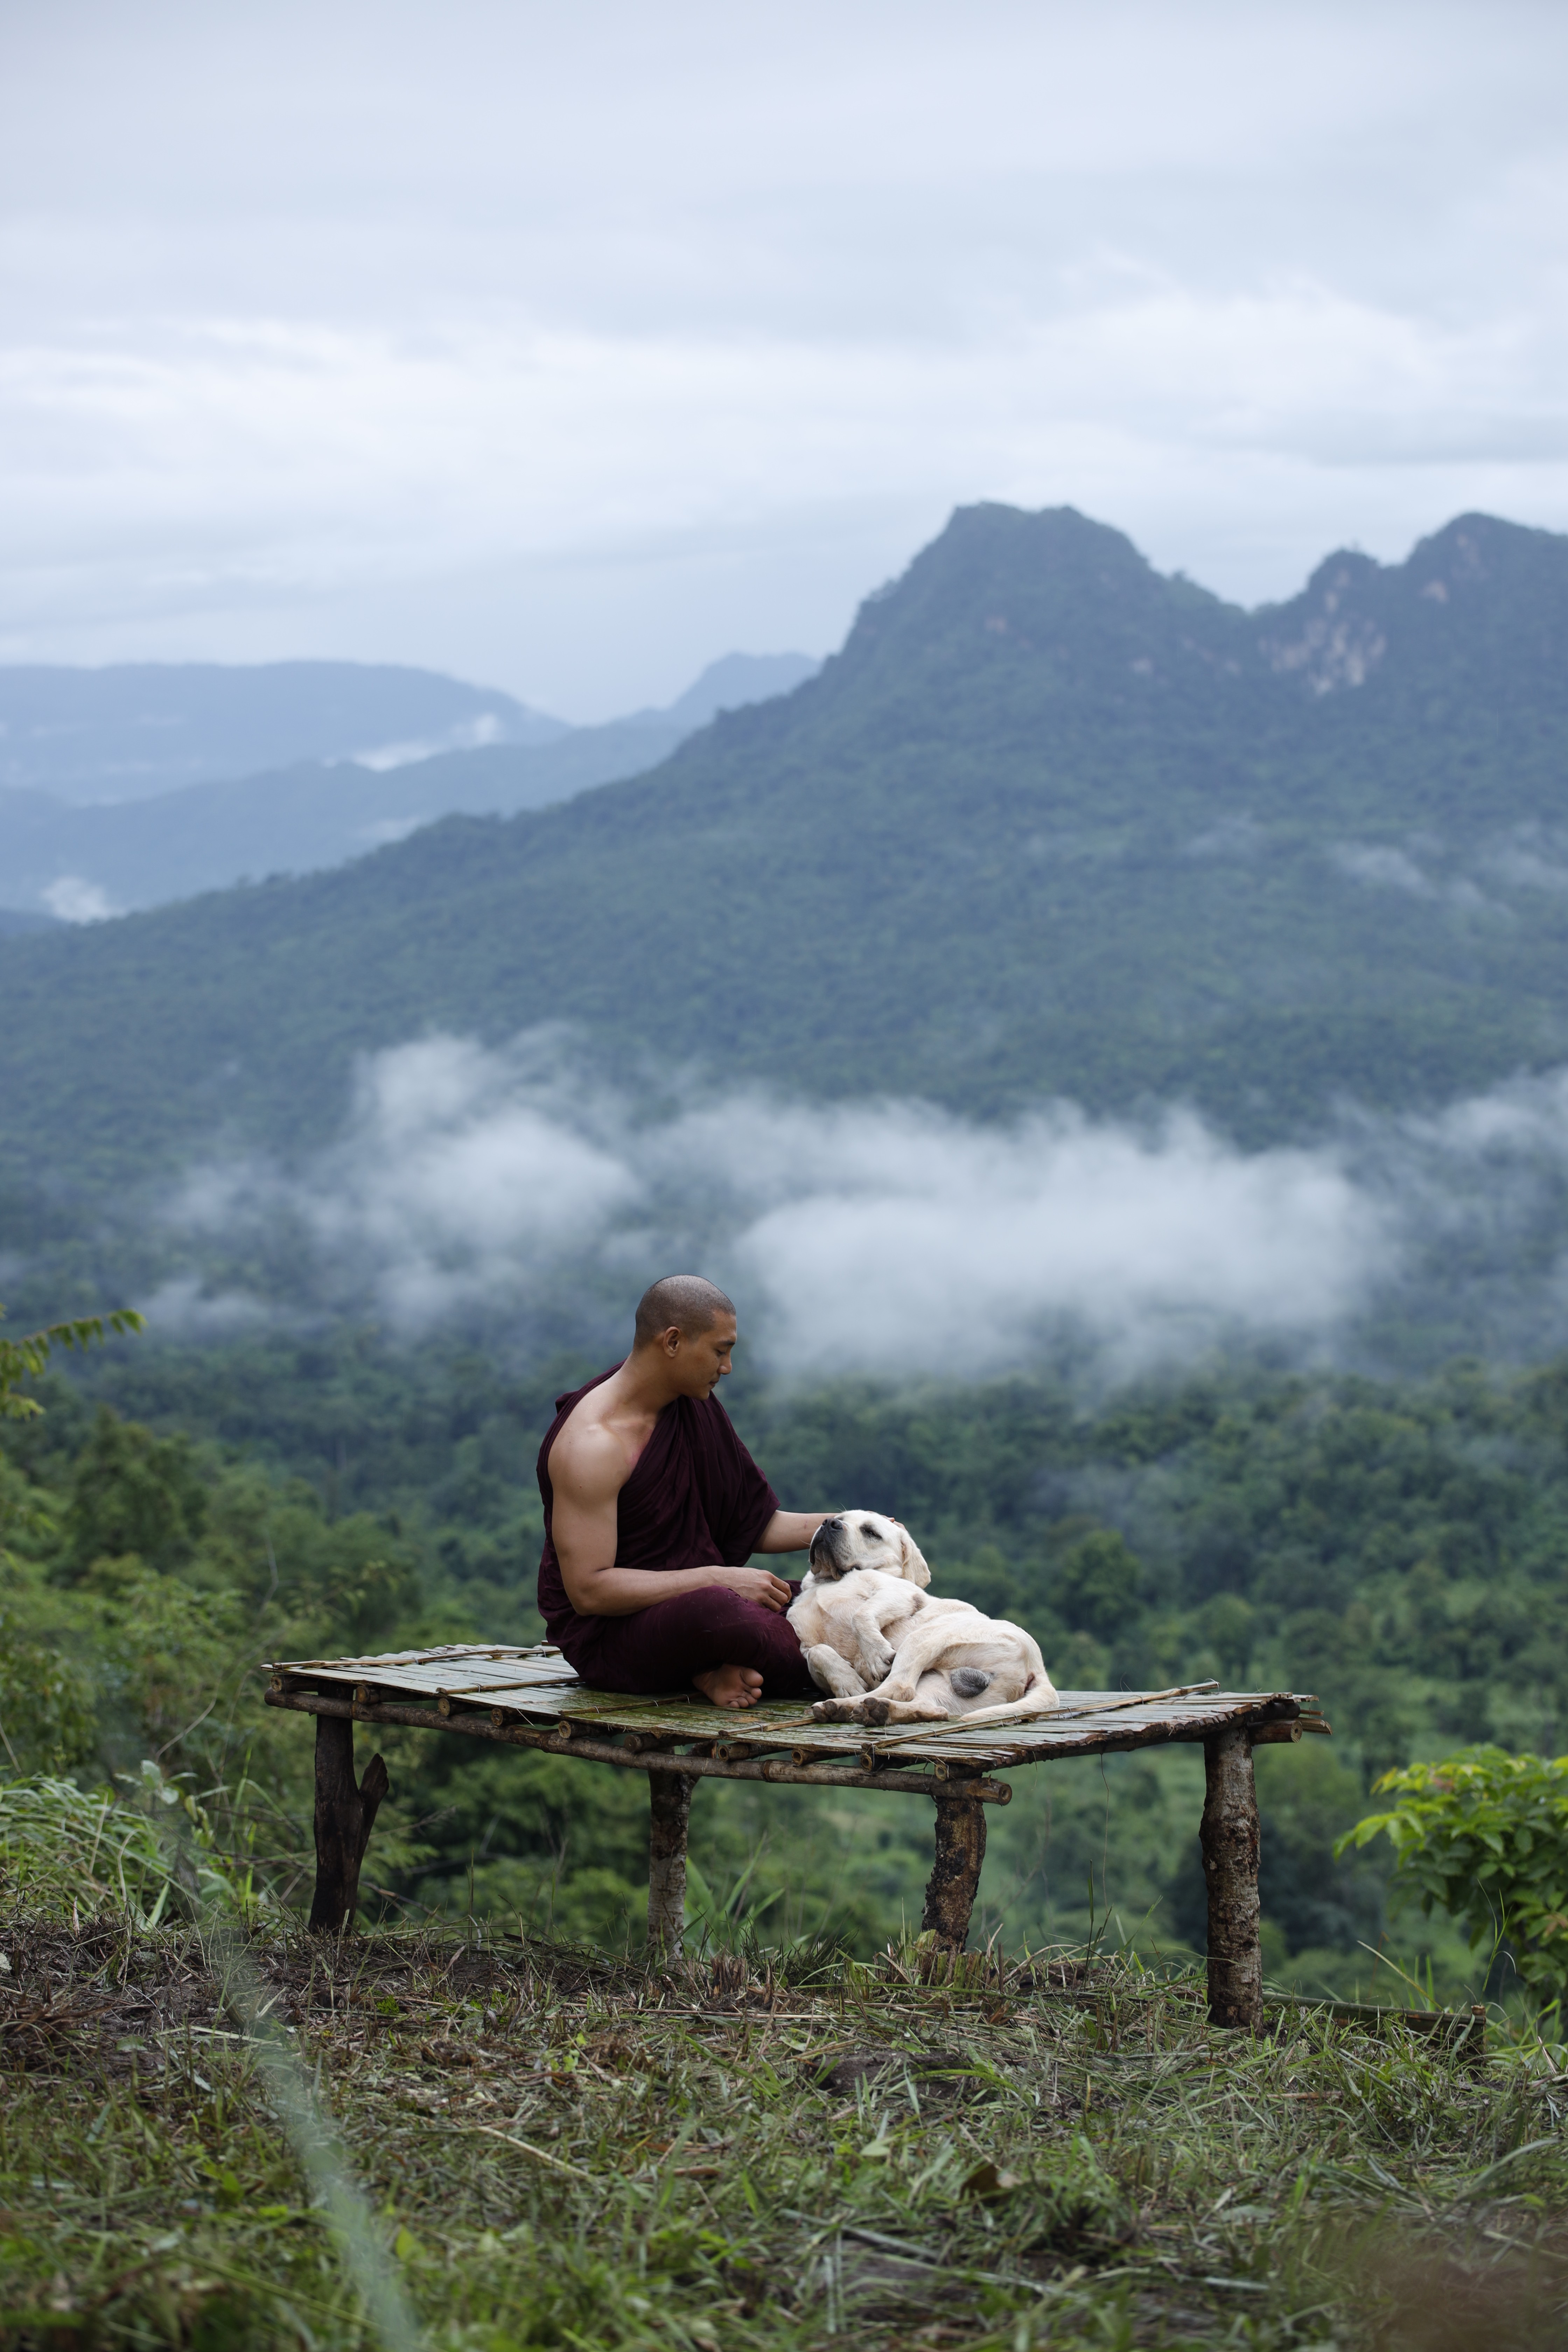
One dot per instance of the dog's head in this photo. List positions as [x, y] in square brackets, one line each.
[853, 1539]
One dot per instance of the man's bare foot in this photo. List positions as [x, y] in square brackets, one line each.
[731, 1685]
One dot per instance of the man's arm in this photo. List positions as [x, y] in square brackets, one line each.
[790, 1530]
[588, 1471]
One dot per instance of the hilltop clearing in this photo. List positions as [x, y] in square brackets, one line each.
[517, 2144]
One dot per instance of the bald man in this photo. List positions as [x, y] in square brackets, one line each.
[652, 1510]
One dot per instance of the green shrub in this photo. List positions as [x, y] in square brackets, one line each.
[46, 1704]
[1485, 1835]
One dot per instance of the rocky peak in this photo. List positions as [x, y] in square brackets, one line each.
[1327, 636]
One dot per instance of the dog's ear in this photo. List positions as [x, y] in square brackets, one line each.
[915, 1570]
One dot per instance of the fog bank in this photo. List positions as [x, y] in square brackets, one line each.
[881, 1236]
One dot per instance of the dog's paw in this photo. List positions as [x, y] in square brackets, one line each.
[851, 1710]
[879, 1656]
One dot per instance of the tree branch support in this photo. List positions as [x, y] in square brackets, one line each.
[1228, 1838]
[345, 1814]
[670, 1815]
[954, 1879]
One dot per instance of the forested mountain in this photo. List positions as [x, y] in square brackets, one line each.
[1049, 823]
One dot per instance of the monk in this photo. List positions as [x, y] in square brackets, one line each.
[652, 1509]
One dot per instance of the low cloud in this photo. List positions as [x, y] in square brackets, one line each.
[509, 1191]
[467, 735]
[1379, 866]
[71, 899]
[182, 1308]
[1238, 836]
[881, 1236]
[1383, 869]
[922, 1244]
[1523, 863]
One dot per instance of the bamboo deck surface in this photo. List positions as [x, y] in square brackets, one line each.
[533, 1696]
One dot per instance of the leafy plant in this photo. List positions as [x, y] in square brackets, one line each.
[1485, 1835]
[22, 1359]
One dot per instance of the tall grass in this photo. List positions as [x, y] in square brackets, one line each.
[67, 1851]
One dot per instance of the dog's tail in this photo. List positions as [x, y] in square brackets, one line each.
[1038, 1700]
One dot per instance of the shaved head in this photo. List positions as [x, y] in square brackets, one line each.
[684, 1300]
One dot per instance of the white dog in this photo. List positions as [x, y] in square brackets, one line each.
[887, 1652]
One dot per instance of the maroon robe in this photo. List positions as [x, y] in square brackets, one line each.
[695, 1500]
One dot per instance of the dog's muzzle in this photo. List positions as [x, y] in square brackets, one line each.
[825, 1555]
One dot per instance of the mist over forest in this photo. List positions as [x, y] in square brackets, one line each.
[1078, 969]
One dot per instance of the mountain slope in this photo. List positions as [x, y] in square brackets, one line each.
[1049, 822]
[61, 857]
[144, 853]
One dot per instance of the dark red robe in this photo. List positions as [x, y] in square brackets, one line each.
[695, 1500]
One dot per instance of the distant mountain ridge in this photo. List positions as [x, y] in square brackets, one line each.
[1049, 823]
[131, 730]
[89, 860]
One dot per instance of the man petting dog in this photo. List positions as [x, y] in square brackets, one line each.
[652, 1509]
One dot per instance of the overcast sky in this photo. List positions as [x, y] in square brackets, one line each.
[567, 347]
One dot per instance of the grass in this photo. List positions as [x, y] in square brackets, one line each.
[555, 2148]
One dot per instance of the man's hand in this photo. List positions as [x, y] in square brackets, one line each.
[755, 1584]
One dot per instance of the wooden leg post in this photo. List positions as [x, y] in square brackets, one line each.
[1229, 1841]
[346, 1813]
[669, 1812]
[955, 1874]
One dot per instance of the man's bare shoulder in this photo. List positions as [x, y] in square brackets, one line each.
[589, 1459]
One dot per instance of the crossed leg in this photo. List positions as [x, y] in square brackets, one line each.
[733, 1651]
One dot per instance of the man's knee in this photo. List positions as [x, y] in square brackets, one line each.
[705, 1612]
[729, 1608]
[750, 1635]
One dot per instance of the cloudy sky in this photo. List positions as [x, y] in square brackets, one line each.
[567, 349]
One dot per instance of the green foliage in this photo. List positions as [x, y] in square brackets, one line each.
[1096, 1587]
[1485, 1835]
[112, 1655]
[46, 1705]
[1398, 1546]
[132, 1492]
[167, 1650]
[24, 1358]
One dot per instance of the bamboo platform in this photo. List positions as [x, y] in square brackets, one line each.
[529, 1698]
